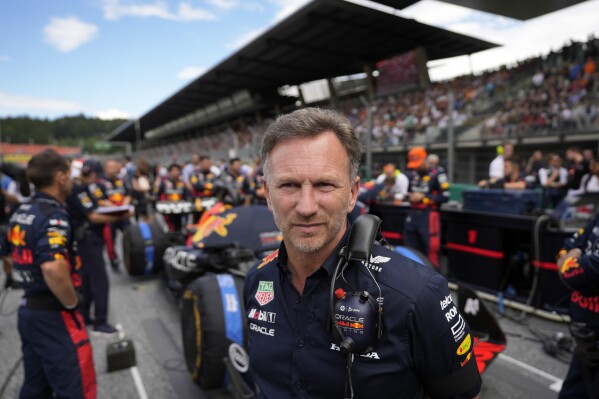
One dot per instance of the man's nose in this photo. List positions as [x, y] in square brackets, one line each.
[306, 204]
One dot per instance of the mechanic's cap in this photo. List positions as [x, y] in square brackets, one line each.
[89, 167]
[415, 157]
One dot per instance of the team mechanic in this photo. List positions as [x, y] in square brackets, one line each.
[88, 229]
[578, 265]
[311, 163]
[117, 192]
[57, 354]
[428, 189]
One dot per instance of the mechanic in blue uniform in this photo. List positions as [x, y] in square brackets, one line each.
[88, 226]
[117, 193]
[428, 189]
[171, 188]
[57, 354]
[311, 163]
[578, 266]
[240, 182]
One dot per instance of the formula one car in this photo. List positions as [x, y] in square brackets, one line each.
[206, 276]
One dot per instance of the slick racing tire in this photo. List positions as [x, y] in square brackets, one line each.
[212, 320]
[143, 248]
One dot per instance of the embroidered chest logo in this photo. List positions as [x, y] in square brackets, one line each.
[265, 292]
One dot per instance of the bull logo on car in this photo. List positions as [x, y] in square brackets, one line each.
[214, 224]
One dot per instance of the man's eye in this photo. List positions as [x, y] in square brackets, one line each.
[288, 185]
[325, 186]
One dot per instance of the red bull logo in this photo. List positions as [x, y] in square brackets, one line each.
[347, 324]
[214, 224]
[174, 197]
[269, 258]
[16, 236]
[116, 198]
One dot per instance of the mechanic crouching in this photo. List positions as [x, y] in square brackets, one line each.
[578, 266]
[57, 354]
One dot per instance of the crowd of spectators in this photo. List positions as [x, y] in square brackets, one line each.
[561, 91]
[558, 91]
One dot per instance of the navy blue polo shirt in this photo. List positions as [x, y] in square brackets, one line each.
[292, 354]
[80, 203]
[39, 232]
[583, 277]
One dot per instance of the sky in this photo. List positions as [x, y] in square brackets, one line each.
[121, 58]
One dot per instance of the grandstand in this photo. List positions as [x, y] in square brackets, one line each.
[548, 101]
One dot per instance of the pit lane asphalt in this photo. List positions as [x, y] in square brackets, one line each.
[149, 316]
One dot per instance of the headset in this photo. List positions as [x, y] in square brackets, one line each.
[357, 317]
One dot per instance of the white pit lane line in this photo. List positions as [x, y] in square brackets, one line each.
[139, 385]
[556, 385]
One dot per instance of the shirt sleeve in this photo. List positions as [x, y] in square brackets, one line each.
[81, 200]
[53, 238]
[442, 342]
[580, 238]
[440, 190]
[543, 177]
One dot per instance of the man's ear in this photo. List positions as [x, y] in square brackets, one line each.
[267, 194]
[354, 191]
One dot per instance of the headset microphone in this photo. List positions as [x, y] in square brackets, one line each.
[356, 316]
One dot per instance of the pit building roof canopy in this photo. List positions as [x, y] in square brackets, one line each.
[324, 39]
[517, 9]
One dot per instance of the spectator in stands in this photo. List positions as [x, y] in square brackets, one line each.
[535, 163]
[395, 183]
[588, 155]
[577, 167]
[590, 181]
[513, 178]
[191, 167]
[553, 179]
[496, 168]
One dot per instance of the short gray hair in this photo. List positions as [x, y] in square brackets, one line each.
[310, 123]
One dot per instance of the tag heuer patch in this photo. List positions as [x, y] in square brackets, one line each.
[265, 292]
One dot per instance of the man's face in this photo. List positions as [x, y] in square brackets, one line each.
[65, 183]
[555, 162]
[111, 169]
[205, 164]
[508, 150]
[174, 173]
[309, 192]
[195, 159]
[508, 168]
[235, 166]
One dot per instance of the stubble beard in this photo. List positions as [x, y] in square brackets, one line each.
[310, 245]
